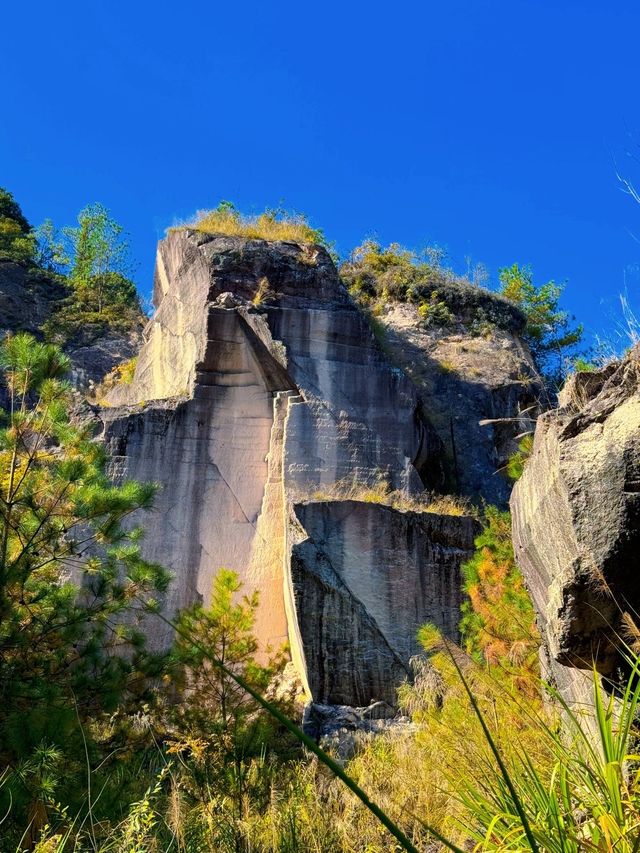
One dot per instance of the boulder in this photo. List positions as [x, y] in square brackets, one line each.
[576, 520]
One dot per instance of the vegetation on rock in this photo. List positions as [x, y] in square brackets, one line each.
[17, 239]
[376, 275]
[548, 331]
[98, 264]
[272, 224]
[91, 260]
[379, 492]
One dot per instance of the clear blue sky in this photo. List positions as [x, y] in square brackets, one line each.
[487, 127]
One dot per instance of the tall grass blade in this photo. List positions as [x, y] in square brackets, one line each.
[496, 752]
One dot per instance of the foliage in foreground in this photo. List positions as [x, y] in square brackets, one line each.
[485, 765]
[72, 582]
[498, 621]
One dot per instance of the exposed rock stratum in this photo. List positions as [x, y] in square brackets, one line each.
[260, 389]
[576, 521]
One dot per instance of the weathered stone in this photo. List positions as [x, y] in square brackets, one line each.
[480, 393]
[260, 383]
[91, 361]
[365, 577]
[342, 729]
[576, 520]
[27, 297]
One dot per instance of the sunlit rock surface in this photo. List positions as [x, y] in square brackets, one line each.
[365, 577]
[576, 521]
[259, 384]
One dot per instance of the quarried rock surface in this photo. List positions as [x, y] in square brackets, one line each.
[260, 383]
[576, 520]
[365, 577]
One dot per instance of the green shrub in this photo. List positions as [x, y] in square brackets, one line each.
[498, 621]
[395, 274]
[17, 241]
[515, 464]
[435, 312]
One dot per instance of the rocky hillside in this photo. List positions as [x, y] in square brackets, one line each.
[266, 407]
[30, 297]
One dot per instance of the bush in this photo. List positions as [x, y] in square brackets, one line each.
[376, 274]
[435, 312]
[498, 621]
[515, 464]
[17, 241]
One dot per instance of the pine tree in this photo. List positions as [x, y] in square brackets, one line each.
[498, 624]
[73, 583]
[221, 732]
[548, 331]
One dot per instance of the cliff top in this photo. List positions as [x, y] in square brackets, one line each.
[272, 225]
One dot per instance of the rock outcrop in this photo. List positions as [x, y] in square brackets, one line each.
[30, 296]
[480, 390]
[259, 385]
[576, 521]
[27, 297]
[365, 577]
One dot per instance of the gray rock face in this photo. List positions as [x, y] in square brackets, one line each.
[27, 297]
[343, 729]
[365, 577]
[576, 520]
[259, 384]
[480, 392]
[92, 360]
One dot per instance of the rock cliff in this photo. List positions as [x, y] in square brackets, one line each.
[576, 521]
[260, 386]
[480, 390]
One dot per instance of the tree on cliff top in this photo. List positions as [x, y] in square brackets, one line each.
[97, 255]
[549, 329]
[17, 241]
[100, 261]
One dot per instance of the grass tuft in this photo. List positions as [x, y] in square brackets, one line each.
[379, 492]
[272, 224]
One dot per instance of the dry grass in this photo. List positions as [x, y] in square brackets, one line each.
[282, 225]
[351, 489]
[121, 374]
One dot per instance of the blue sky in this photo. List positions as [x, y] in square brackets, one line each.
[488, 127]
